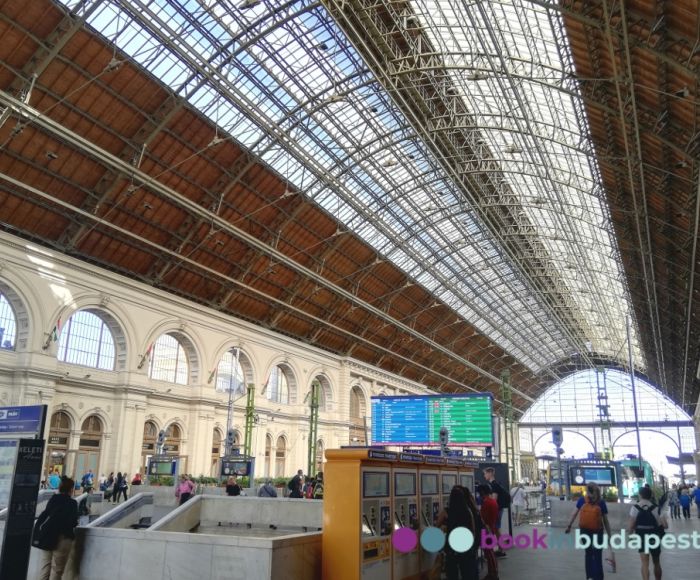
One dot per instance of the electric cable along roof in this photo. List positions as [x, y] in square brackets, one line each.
[447, 190]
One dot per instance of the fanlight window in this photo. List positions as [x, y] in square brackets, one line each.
[229, 373]
[86, 340]
[169, 360]
[8, 324]
[277, 389]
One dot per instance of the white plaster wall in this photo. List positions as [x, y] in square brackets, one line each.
[51, 285]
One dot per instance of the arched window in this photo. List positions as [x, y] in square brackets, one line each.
[169, 361]
[357, 403]
[86, 340]
[324, 389]
[280, 457]
[268, 454]
[8, 324]
[229, 373]
[358, 409]
[173, 439]
[277, 388]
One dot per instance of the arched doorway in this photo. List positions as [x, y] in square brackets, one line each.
[173, 445]
[150, 437]
[358, 409]
[90, 446]
[280, 457]
[57, 448]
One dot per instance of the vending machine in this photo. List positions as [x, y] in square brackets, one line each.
[429, 506]
[376, 523]
[406, 565]
[448, 479]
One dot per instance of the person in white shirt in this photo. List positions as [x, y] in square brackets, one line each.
[518, 502]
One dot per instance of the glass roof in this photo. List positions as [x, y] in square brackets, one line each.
[282, 79]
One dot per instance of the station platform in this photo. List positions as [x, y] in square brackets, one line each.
[560, 564]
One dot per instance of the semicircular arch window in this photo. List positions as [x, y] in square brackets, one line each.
[229, 372]
[8, 324]
[169, 361]
[278, 386]
[86, 340]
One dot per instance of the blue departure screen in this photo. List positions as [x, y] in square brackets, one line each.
[416, 420]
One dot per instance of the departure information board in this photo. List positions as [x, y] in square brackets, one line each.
[416, 420]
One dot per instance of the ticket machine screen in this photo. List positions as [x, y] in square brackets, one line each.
[375, 484]
[404, 484]
[428, 483]
[448, 482]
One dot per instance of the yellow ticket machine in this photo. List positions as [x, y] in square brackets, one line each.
[376, 523]
[406, 565]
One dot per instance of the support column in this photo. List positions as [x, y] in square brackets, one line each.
[69, 461]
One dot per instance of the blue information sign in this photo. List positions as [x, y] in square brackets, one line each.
[18, 420]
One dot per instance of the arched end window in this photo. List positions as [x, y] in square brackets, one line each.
[268, 454]
[57, 447]
[280, 456]
[148, 447]
[231, 372]
[86, 340]
[169, 360]
[278, 385]
[8, 324]
[150, 431]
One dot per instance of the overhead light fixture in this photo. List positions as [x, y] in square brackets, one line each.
[513, 148]
[476, 76]
[682, 93]
[322, 46]
[248, 4]
[335, 99]
[389, 162]
[52, 155]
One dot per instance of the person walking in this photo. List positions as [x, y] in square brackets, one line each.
[519, 502]
[318, 486]
[54, 531]
[459, 565]
[684, 500]
[137, 479]
[267, 489]
[184, 490]
[503, 500]
[696, 496]
[295, 485]
[489, 517]
[673, 503]
[645, 521]
[88, 481]
[118, 488]
[593, 513]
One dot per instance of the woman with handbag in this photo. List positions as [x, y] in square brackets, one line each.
[54, 531]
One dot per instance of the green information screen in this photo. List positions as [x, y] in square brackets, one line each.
[417, 420]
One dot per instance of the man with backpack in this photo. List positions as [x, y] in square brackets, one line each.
[593, 513]
[646, 521]
[503, 500]
[295, 485]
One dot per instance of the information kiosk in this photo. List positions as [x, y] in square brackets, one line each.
[368, 495]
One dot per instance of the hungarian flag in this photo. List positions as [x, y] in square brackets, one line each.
[56, 330]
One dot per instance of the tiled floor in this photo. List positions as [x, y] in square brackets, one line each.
[568, 564]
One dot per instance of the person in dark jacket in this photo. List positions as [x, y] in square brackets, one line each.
[232, 487]
[62, 515]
